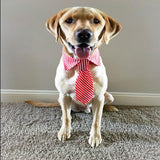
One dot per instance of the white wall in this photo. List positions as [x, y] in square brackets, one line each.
[30, 54]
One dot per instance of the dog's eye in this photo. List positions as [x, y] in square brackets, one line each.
[96, 21]
[69, 20]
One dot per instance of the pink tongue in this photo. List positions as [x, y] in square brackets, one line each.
[83, 52]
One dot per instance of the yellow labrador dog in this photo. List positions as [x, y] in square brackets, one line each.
[82, 30]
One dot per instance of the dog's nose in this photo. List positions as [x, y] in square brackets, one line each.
[83, 35]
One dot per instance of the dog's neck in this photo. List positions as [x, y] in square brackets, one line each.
[70, 62]
[73, 55]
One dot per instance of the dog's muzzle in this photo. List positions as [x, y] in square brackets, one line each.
[83, 49]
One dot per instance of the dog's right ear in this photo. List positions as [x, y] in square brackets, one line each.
[52, 24]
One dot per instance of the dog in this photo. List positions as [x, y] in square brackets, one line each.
[81, 31]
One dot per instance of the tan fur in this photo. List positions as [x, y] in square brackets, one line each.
[65, 80]
[42, 104]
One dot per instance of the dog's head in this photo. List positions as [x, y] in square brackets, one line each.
[82, 29]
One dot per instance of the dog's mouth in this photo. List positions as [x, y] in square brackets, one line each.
[82, 50]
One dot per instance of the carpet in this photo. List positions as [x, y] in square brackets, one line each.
[30, 133]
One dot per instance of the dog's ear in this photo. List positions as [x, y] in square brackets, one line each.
[111, 29]
[52, 24]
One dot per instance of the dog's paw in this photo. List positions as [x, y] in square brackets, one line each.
[108, 98]
[95, 140]
[63, 134]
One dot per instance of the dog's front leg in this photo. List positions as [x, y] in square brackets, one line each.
[97, 110]
[65, 131]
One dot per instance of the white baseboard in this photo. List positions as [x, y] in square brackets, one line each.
[121, 98]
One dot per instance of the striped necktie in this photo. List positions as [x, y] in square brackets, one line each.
[84, 83]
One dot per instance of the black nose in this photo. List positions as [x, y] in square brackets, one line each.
[83, 35]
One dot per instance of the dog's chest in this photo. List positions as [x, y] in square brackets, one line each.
[71, 77]
[65, 80]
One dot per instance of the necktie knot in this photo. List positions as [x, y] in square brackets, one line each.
[83, 65]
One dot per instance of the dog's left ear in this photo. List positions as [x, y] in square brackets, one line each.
[111, 29]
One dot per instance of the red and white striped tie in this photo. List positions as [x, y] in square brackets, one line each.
[84, 83]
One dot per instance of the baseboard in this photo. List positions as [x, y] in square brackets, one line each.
[121, 98]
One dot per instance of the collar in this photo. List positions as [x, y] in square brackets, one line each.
[70, 62]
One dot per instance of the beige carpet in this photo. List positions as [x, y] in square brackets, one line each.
[29, 133]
